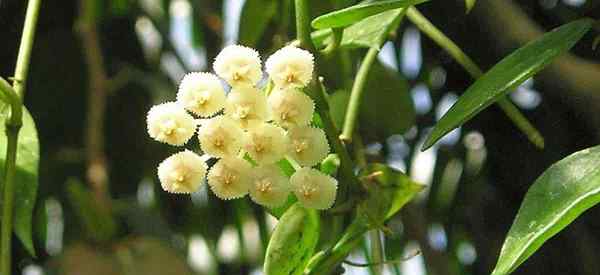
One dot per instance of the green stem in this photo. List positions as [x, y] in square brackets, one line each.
[13, 125]
[376, 252]
[469, 65]
[356, 94]
[317, 93]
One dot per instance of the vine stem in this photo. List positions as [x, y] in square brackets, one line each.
[356, 94]
[376, 251]
[469, 65]
[13, 126]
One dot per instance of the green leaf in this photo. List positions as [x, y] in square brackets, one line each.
[388, 190]
[26, 177]
[387, 108]
[469, 4]
[256, 15]
[293, 242]
[97, 221]
[508, 74]
[562, 193]
[353, 14]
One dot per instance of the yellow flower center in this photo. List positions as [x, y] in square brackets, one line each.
[300, 146]
[264, 185]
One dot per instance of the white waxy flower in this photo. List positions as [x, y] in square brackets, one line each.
[270, 187]
[238, 65]
[290, 108]
[170, 123]
[307, 145]
[290, 67]
[246, 106]
[265, 143]
[230, 178]
[221, 137]
[201, 94]
[313, 188]
[182, 172]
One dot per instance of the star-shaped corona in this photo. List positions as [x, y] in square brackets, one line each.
[182, 172]
[270, 187]
[238, 65]
[201, 93]
[170, 123]
[307, 145]
[290, 108]
[265, 143]
[290, 67]
[314, 189]
[220, 137]
[230, 178]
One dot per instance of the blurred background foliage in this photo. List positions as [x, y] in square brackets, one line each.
[98, 66]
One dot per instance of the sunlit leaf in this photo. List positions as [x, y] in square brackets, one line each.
[508, 74]
[256, 15]
[293, 242]
[353, 14]
[26, 178]
[556, 198]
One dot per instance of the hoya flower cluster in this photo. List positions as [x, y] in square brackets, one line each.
[246, 123]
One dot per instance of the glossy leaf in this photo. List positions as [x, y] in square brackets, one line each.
[387, 108]
[293, 242]
[556, 198]
[508, 74]
[256, 16]
[353, 14]
[26, 177]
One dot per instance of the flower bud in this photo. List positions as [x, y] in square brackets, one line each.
[313, 188]
[171, 124]
[201, 94]
[238, 65]
[307, 145]
[265, 143]
[182, 172]
[270, 187]
[290, 67]
[290, 108]
[221, 137]
[230, 178]
[246, 106]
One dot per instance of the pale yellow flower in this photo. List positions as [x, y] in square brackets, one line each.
[270, 187]
[201, 94]
[290, 108]
[307, 145]
[238, 65]
[170, 123]
[290, 67]
[221, 137]
[314, 189]
[230, 178]
[246, 106]
[265, 143]
[182, 172]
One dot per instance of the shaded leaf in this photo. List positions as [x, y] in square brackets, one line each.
[469, 4]
[387, 108]
[562, 193]
[256, 15]
[26, 177]
[353, 14]
[293, 242]
[508, 74]
[96, 220]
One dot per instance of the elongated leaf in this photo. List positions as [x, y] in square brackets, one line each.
[508, 74]
[256, 15]
[556, 198]
[469, 4]
[353, 14]
[26, 178]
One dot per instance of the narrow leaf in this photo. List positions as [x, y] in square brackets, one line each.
[469, 4]
[256, 15]
[556, 198]
[26, 176]
[508, 74]
[353, 14]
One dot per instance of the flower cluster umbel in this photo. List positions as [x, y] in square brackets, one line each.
[248, 130]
